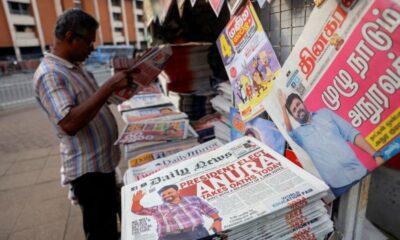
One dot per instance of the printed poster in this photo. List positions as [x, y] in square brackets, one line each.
[337, 98]
[249, 60]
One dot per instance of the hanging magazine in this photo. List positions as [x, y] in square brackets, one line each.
[250, 61]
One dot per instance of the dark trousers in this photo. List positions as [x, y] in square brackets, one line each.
[97, 196]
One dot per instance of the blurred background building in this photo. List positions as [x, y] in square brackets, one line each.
[27, 25]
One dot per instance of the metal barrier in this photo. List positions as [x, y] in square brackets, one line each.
[17, 89]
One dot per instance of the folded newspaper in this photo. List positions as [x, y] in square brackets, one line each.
[151, 167]
[153, 131]
[144, 101]
[152, 114]
[150, 64]
[243, 190]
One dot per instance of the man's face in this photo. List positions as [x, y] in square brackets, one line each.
[299, 111]
[83, 45]
[169, 195]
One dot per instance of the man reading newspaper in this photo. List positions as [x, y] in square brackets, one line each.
[179, 217]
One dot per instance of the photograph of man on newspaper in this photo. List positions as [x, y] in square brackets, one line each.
[178, 217]
[325, 137]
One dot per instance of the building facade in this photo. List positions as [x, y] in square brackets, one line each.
[27, 25]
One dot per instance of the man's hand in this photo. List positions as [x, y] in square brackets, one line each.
[123, 79]
[137, 197]
[282, 98]
[217, 226]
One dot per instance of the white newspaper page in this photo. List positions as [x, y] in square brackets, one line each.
[219, 190]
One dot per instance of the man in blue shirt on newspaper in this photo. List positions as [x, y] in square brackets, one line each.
[325, 137]
[76, 107]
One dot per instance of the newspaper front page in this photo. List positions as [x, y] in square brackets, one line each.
[234, 184]
[336, 100]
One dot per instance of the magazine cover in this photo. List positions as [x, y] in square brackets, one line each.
[249, 59]
[336, 100]
[150, 167]
[259, 128]
[153, 131]
[144, 101]
[222, 189]
[148, 68]
[154, 113]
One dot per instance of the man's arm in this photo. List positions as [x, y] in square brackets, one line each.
[285, 115]
[79, 116]
[137, 197]
[360, 142]
[217, 224]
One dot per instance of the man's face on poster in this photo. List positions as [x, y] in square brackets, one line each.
[299, 111]
[169, 195]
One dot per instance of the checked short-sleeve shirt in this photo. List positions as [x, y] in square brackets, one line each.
[60, 85]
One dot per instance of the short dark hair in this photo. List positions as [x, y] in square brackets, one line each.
[290, 99]
[76, 21]
[167, 187]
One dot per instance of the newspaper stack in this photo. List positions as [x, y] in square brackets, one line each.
[188, 70]
[243, 190]
[196, 105]
[222, 104]
[154, 129]
[146, 169]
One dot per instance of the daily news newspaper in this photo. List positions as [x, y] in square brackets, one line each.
[336, 100]
[142, 171]
[241, 181]
[249, 60]
[150, 65]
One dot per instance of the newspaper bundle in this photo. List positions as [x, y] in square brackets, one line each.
[243, 190]
[337, 98]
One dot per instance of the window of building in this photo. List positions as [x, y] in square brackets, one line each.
[23, 28]
[115, 3]
[117, 16]
[77, 4]
[18, 8]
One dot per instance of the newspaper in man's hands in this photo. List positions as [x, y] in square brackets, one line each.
[144, 69]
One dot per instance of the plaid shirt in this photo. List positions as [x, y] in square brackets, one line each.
[172, 217]
[60, 85]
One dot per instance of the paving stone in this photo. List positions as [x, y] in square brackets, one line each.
[74, 230]
[34, 154]
[4, 167]
[12, 203]
[49, 174]
[18, 180]
[50, 231]
[53, 161]
[43, 212]
[48, 190]
[26, 166]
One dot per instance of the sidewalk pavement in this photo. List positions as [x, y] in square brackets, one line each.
[33, 205]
